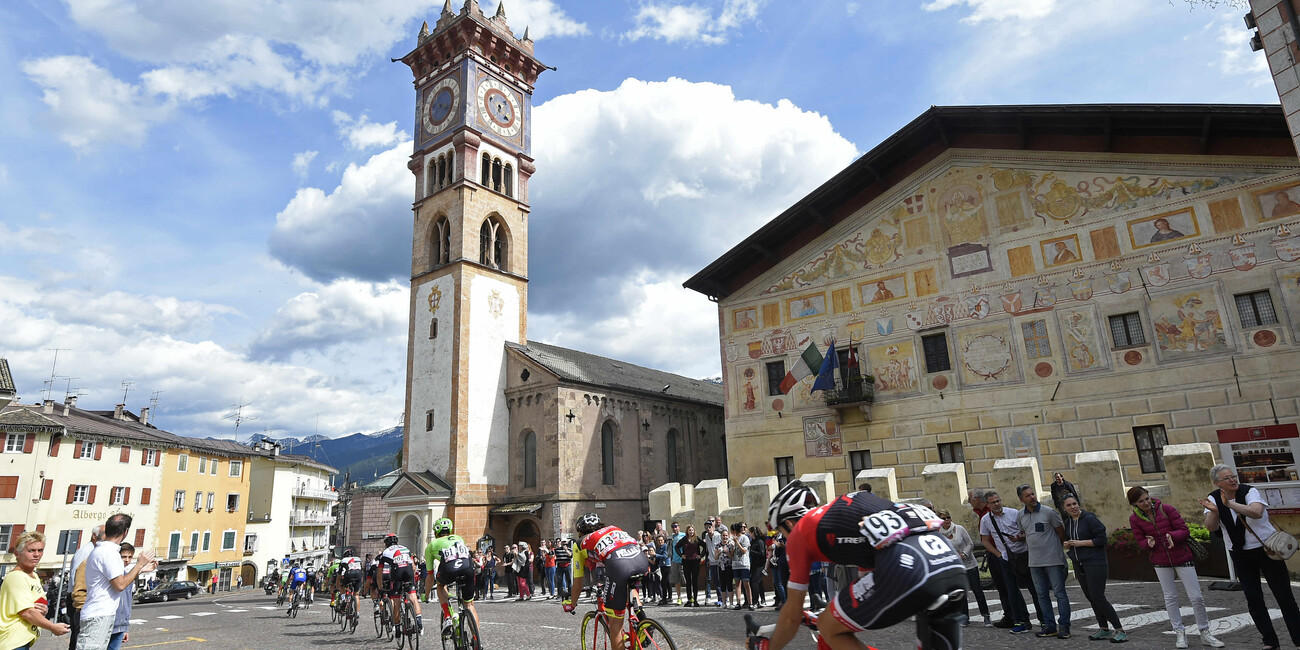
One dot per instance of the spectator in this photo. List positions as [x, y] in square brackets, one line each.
[1240, 510]
[676, 576]
[740, 566]
[817, 585]
[523, 560]
[23, 605]
[725, 551]
[1062, 488]
[122, 624]
[563, 559]
[508, 562]
[1005, 546]
[865, 487]
[663, 559]
[77, 591]
[780, 569]
[691, 548]
[548, 566]
[965, 547]
[712, 537]
[1160, 529]
[106, 583]
[1085, 543]
[490, 572]
[757, 566]
[1044, 531]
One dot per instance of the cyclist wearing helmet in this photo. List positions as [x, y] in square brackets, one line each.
[397, 572]
[297, 581]
[624, 562]
[449, 563]
[349, 576]
[911, 570]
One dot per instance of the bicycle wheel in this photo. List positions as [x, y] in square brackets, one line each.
[469, 639]
[379, 619]
[594, 632]
[650, 635]
[409, 626]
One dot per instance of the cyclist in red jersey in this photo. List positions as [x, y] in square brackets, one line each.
[623, 560]
[910, 570]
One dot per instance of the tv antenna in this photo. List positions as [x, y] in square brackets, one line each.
[126, 388]
[153, 406]
[239, 417]
[49, 384]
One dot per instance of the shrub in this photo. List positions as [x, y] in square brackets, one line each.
[1123, 541]
[1199, 533]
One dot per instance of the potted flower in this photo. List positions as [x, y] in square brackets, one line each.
[1128, 560]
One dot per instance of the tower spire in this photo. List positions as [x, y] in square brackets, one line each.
[526, 37]
[446, 9]
[424, 31]
[501, 10]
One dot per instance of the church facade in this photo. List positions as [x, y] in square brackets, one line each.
[1022, 281]
[482, 403]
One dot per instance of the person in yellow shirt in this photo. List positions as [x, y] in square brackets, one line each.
[22, 599]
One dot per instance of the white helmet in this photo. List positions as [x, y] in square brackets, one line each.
[792, 501]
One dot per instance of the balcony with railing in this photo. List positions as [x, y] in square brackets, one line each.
[852, 392]
[310, 519]
[312, 493]
[178, 552]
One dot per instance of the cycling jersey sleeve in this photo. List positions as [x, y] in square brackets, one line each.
[579, 562]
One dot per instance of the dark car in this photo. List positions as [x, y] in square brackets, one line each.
[169, 591]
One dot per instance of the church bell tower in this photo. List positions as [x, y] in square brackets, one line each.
[469, 258]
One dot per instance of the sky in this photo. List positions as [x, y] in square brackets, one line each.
[207, 204]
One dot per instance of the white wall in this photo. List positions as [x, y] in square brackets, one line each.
[431, 377]
[489, 419]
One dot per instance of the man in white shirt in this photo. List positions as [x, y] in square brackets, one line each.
[106, 583]
[1243, 514]
[711, 540]
[79, 558]
[1000, 532]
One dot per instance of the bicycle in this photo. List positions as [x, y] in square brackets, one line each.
[280, 596]
[464, 630]
[809, 621]
[347, 611]
[645, 633]
[294, 603]
[383, 624]
[408, 630]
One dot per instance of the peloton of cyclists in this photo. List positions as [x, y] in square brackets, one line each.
[397, 573]
[448, 561]
[621, 556]
[297, 581]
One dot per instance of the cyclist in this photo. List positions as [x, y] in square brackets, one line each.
[284, 581]
[348, 575]
[297, 580]
[911, 570]
[331, 579]
[370, 565]
[449, 560]
[624, 563]
[397, 573]
[311, 583]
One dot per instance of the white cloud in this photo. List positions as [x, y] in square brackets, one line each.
[361, 229]
[542, 18]
[852, 9]
[116, 311]
[57, 256]
[362, 134]
[302, 162]
[692, 23]
[89, 105]
[997, 10]
[344, 310]
[1236, 57]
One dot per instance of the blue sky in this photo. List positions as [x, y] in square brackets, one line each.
[211, 200]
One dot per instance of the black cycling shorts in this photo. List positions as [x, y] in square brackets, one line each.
[459, 572]
[398, 578]
[910, 576]
[352, 579]
[625, 566]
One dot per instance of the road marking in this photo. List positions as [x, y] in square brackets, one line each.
[188, 639]
[138, 621]
[268, 608]
[235, 611]
[1151, 618]
[169, 617]
[1230, 624]
[202, 613]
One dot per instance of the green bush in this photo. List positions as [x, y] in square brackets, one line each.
[1199, 533]
[1123, 541]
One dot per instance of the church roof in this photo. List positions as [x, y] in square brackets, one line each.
[1186, 129]
[581, 367]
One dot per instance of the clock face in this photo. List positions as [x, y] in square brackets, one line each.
[498, 108]
[440, 105]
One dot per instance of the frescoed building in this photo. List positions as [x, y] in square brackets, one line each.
[1010, 281]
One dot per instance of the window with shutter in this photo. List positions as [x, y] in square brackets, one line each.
[126, 497]
[77, 449]
[55, 443]
[146, 495]
[6, 535]
[47, 488]
[8, 487]
[29, 444]
[14, 533]
[139, 537]
[99, 450]
[15, 442]
[125, 456]
[40, 528]
[90, 495]
[72, 493]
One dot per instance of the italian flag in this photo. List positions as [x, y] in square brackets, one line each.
[807, 365]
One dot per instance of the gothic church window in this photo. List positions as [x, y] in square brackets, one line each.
[487, 170]
[493, 245]
[673, 472]
[530, 459]
[442, 172]
[496, 175]
[607, 453]
[441, 242]
[508, 181]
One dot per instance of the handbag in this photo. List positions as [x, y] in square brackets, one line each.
[1279, 546]
[1199, 552]
[1019, 561]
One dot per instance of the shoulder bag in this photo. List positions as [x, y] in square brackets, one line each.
[1019, 561]
[1279, 546]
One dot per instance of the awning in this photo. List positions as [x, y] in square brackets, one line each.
[517, 509]
[206, 566]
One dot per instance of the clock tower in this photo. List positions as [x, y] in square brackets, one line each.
[469, 267]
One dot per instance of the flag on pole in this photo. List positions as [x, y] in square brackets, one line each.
[826, 376]
[805, 366]
[853, 358]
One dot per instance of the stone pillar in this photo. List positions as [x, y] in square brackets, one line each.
[883, 480]
[823, 484]
[665, 502]
[759, 492]
[1099, 478]
[1188, 470]
[944, 484]
[687, 497]
[1011, 472]
[711, 498]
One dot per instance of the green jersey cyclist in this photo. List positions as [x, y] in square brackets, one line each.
[449, 563]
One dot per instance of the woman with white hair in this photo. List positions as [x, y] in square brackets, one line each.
[22, 598]
[523, 565]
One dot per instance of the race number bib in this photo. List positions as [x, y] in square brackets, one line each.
[884, 528]
[612, 540]
[456, 551]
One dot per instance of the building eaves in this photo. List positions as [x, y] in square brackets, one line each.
[1188, 129]
[21, 420]
[610, 374]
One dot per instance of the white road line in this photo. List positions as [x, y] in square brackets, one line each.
[168, 617]
[1230, 624]
[1151, 618]
[202, 613]
[235, 611]
[138, 621]
[267, 608]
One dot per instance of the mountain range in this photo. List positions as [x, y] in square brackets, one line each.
[360, 456]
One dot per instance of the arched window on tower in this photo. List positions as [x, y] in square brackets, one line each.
[607, 453]
[440, 242]
[508, 181]
[496, 175]
[487, 171]
[494, 244]
[431, 178]
[530, 459]
[673, 472]
[451, 167]
[442, 172]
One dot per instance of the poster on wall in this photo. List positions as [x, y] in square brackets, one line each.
[1265, 457]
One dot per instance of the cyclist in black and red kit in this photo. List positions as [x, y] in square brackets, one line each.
[911, 570]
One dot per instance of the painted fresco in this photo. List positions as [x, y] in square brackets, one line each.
[987, 355]
[1061, 250]
[821, 437]
[961, 211]
[1189, 323]
[875, 292]
[894, 367]
[861, 251]
[1084, 346]
[1278, 202]
[1063, 196]
[750, 384]
[813, 304]
[744, 319]
[1289, 281]
[1163, 228]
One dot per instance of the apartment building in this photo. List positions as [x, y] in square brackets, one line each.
[290, 510]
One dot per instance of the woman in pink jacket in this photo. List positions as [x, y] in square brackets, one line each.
[1159, 528]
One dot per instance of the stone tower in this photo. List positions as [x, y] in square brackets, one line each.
[469, 257]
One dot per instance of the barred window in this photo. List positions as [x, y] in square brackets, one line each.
[784, 470]
[936, 352]
[859, 460]
[1036, 343]
[1126, 330]
[775, 375]
[1256, 309]
[1151, 443]
[951, 452]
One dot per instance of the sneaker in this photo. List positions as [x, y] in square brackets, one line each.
[1099, 635]
[1019, 628]
[988, 622]
[965, 621]
[1064, 633]
[419, 623]
[1045, 632]
[1004, 623]
[1119, 637]
[1209, 641]
[1181, 640]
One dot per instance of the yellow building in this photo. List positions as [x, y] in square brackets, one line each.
[201, 511]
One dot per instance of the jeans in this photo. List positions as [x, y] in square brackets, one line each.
[973, 579]
[1014, 601]
[564, 580]
[1187, 574]
[115, 641]
[778, 583]
[491, 582]
[1053, 577]
[1092, 581]
[715, 581]
[549, 585]
[95, 632]
[1250, 565]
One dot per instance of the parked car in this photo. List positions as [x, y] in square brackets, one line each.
[169, 591]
